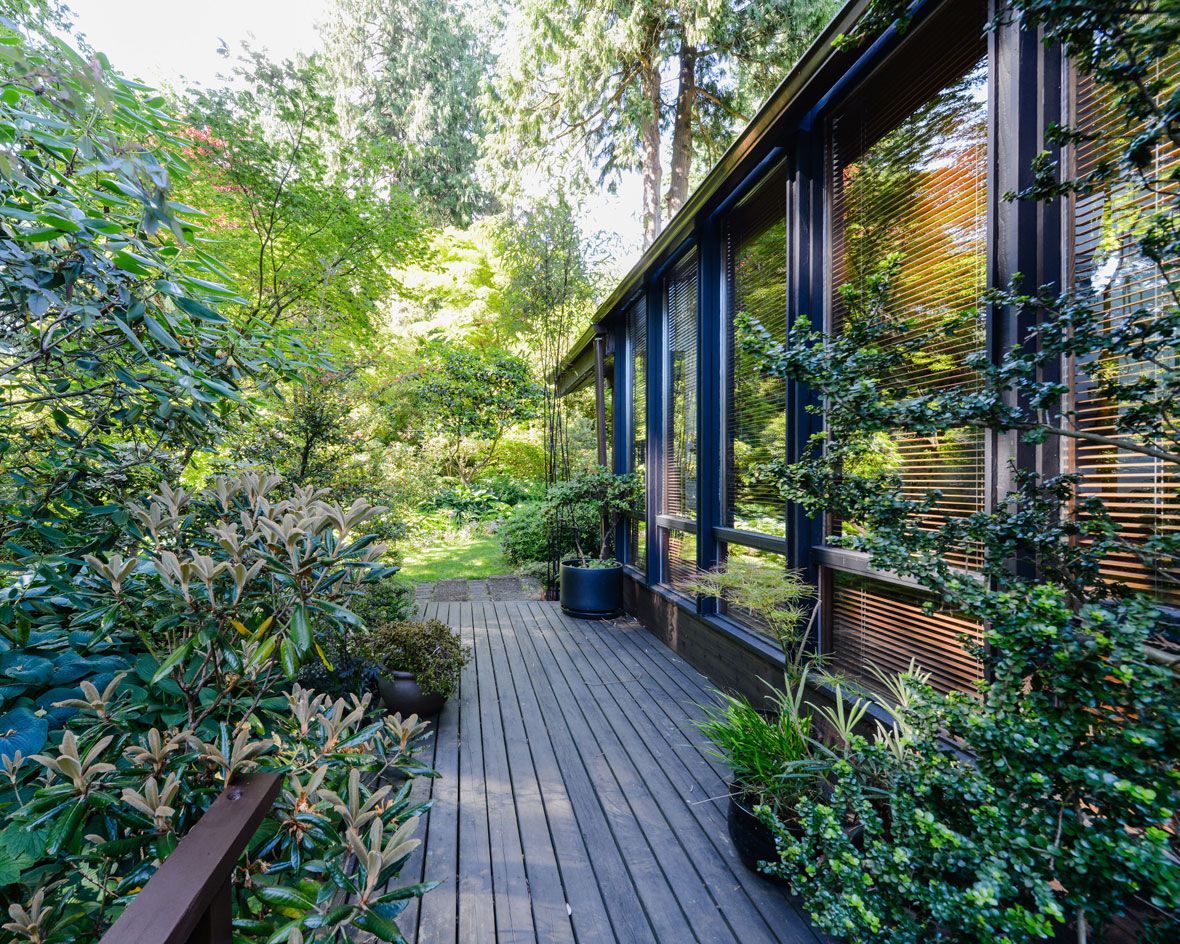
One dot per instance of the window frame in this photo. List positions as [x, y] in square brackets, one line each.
[928, 38]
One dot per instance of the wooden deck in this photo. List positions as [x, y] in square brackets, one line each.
[576, 802]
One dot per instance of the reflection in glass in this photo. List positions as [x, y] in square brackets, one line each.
[918, 193]
[757, 295]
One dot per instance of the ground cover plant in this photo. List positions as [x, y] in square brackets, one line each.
[1057, 804]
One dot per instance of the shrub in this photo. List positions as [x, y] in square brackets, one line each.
[524, 535]
[592, 502]
[380, 601]
[468, 503]
[512, 490]
[225, 594]
[429, 649]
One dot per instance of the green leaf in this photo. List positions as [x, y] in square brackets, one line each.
[289, 658]
[263, 653]
[287, 901]
[373, 921]
[197, 309]
[301, 630]
[63, 830]
[409, 891]
[172, 661]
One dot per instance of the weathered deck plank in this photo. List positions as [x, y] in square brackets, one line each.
[576, 801]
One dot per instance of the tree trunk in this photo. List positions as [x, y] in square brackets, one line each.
[681, 166]
[653, 172]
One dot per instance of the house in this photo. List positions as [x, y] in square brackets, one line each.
[905, 144]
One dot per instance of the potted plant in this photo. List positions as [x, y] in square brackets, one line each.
[770, 757]
[418, 664]
[592, 501]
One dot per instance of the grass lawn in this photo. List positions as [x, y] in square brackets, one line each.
[468, 554]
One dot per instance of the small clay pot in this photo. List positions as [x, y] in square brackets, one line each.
[402, 695]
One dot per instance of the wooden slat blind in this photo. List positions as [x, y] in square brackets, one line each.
[909, 177]
[919, 190]
[682, 557]
[1139, 491]
[884, 625]
[756, 287]
[680, 412]
[636, 320]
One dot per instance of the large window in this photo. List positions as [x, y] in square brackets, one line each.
[756, 296]
[1140, 492]
[680, 419]
[909, 181]
[636, 320]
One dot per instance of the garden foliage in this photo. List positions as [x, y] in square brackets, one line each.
[150, 634]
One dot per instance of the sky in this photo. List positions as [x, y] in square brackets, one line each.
[171, 43]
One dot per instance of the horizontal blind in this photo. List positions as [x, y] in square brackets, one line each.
[909, 177]
[680, 408]
[680, 414]
[918, 189]
[638, 542]
[682, 557]
[756, 283]
[882, 625]
[637, 332]
[759, 560]
[1140, 492]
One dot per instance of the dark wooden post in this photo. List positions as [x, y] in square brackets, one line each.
[187, 901]
[600, 393]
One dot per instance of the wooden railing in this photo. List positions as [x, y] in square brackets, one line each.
[187, 901]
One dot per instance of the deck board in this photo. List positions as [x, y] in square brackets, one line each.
[577, 802]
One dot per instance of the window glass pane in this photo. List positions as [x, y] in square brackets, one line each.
[759, 562]
[756, 263]
[1140, 492]
[909, 181]
[876, 624]
[680, 307]
[682, 557]
[637, 335]
[918, 191]
[638, 542]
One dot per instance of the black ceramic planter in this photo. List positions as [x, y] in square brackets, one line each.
[402, 695]
[591, 592]
[752, 838]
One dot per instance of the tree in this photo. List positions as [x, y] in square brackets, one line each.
[310, 226]
[119, 362]
[148, 647]
[409, 77]
[330, 429]
[473, 396]
[551, 271]
[593, 79]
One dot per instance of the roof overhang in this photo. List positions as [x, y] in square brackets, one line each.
[575, 373]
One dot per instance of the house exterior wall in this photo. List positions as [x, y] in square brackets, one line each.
[807, 139]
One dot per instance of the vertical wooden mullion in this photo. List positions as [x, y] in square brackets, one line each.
[806, 269]
[1026, 236]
